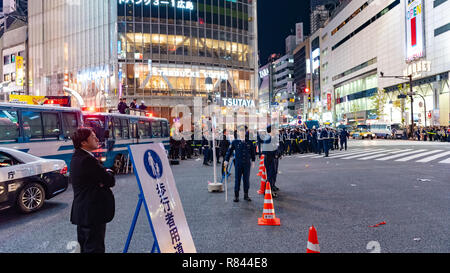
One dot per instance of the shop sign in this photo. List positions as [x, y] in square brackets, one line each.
[179, 4]
[229, 102]
[20, 71]
[415, 41]
[416, 68]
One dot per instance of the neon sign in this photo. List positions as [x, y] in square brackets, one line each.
[414, 30]
[179, 4]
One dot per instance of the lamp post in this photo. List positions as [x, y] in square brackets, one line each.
[411, 94]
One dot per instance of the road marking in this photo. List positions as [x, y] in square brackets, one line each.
[384, 154]
[399, 155]
[344, 153]
[362, 152]
[430, 158]
[418, 155]
[361, 155]
[447, 161]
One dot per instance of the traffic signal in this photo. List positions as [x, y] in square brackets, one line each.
[307, 91]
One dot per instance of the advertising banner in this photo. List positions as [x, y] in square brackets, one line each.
[20, 71]
[64, 101]
[415, 42]
[298, 33]
[157, 184]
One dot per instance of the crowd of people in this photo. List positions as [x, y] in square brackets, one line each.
[124, 109]
[434, 133]
[273, 145]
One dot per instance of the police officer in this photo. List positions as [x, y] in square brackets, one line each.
[271, 151]
[244, 153]
[324, 135]
[319, 141]
[314, 141]
[343, 136]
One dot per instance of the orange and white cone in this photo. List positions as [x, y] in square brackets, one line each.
[262, 189]
[261, 166]
[313, 242]
[268, 217]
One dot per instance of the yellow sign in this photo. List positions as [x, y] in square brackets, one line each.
[24, 99]
[20, 71]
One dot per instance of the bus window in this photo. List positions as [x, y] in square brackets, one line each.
[133, 129]
[9, 126]
[144, 129]
[32, 124]
[51, 125]
[156, 129]
[165, 129]
[70, 124]
[117, 129]
[125, 128]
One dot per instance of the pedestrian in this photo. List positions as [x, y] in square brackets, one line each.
[93, 205]
[122, 107]
[206, 150]
[344, 136]
[133, 105]
[244, 152]
[142, 107]
[271, 151]
[324, 135]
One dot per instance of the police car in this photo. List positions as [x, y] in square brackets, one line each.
[26, 180]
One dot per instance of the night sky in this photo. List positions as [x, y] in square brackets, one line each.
[276, 20]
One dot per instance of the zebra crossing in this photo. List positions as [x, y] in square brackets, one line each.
[388, 154]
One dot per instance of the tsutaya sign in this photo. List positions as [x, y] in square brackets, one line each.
[180, 4]
[238, 103]
[415, 42]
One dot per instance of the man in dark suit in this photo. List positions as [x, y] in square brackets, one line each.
[93, 205]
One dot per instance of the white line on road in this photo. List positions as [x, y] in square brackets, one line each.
[417, 156]
[399, 155]
[384, 154]
[447, 161]
[343, 153]
[362, 152]
[369, 153]
[430, 158]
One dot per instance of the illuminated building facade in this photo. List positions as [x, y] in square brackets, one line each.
[163, 52]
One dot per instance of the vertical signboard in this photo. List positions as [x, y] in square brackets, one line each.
[298, 33]
[157, 185]
[20, 71]
[415, 38]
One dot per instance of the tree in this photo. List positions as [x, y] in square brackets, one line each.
[379, 101]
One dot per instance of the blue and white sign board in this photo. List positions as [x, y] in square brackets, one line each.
[163, 204]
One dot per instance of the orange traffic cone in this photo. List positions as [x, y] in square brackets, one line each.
[261, 166]
[268, 216]
[262, 189]
[313, 242]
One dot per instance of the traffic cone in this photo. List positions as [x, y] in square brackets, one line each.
[261, 166]
[262, 189]
[313, 242]
[268, 217]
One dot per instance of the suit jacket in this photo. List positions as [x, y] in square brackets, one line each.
[245, 152]
[92, 204]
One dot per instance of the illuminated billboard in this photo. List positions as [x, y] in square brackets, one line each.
[415, 40]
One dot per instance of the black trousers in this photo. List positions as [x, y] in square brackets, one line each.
[92, 239]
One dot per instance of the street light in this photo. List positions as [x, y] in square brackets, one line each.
[411, 94]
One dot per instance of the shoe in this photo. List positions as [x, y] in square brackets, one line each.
[274, 195]
[275, 188]
[236, 197]
[246, 198]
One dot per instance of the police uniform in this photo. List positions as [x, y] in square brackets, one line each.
[270, 150]
[244, 152]
[324, 135]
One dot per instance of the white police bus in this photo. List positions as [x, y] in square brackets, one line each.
[43, 131]
[116, 131]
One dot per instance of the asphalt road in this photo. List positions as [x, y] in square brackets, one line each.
[340, 196]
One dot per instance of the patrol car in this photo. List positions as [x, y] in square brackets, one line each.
[26, 180]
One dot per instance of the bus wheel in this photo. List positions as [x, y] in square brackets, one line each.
[31, 198]
[118, 164]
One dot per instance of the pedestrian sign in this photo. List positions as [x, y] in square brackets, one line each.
[161, 200]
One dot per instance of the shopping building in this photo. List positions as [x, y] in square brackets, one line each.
[163, 52]
[398, 38]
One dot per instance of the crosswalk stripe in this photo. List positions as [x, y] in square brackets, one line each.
[361, 152]
[430, 158]
[384, 154]
[344, 153]
[365, 154]
[399, 155]
[417, 156]
[447, 161]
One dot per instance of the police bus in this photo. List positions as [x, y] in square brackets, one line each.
[43, 131]
[116, 131]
